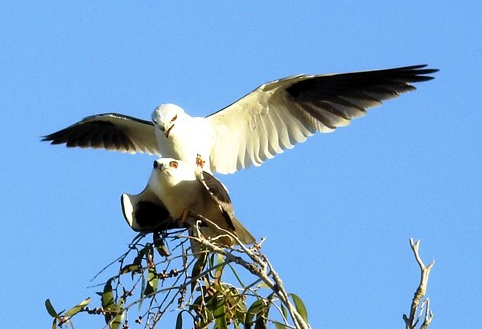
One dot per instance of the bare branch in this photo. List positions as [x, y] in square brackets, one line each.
[412, 321]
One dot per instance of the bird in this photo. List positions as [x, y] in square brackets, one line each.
[176, 191]
[265, 122]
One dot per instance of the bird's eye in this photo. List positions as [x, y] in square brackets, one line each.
[174, 119]
[156, 164]
[173, 164]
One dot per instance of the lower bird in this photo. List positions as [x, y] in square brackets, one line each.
[175, 191]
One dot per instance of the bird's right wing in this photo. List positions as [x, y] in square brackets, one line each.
[145, 212]
[110, 131]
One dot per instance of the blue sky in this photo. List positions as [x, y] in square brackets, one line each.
[337, 211]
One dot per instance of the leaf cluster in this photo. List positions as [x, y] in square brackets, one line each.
[206, 290]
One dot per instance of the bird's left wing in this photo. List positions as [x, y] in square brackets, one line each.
[220, 195]
[282, 113]
[216, 189]
[110, 131]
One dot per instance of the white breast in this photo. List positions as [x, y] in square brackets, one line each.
[178, 193]
[188, 139]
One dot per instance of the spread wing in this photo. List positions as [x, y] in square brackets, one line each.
[145, 212]
[110, 131]
[282, 113]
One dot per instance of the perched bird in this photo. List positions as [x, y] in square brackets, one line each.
[265, 122]
[175, 191]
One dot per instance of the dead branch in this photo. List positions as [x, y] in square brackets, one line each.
[413, 319]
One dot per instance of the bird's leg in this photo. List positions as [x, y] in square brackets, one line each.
[185, 215]
[189, 213]
[199, 161]
[190, 218]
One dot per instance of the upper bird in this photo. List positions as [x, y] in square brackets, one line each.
[265, 122]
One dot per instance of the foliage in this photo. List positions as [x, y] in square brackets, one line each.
[199, 287]
[218, 287]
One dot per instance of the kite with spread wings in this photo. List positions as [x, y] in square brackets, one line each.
[272, 118]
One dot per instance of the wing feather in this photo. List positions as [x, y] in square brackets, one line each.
[272, 135]
[263, 151]
[279, 134]
[277, 115]
[219, 194]
[110, 131]
[216, 190]
[146, 213]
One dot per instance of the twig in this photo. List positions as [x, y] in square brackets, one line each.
[412, 320]
[259, 267]
[132, 245]
[163, 298]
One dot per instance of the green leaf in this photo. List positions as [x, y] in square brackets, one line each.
[202, 308]
[179, 321]
[197, 303]
[54, 324]
[152, 281]
[107, 297]
[263, 285]
[300, 306]
[130, 268]
[260, 322]
[279, 325]
[50, 309]
[160, 245]
[197, 269]
[219, 270]
[206, 318]
[116, 322]
[107, 301]
[77, 308]
[254, 310]
[237, 305]
[219, 311]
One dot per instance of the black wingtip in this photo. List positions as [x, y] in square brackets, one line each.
[420, 71]
[54, 138]
[46, 138]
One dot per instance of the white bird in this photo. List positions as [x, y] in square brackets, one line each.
[272, 118]
[177, 189]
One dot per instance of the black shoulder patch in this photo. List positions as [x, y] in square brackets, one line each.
[216, 188]
[152, 217]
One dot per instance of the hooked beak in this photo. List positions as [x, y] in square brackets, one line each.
[162, 127]
[168, 131]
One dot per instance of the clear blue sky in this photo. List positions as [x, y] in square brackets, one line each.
[337, 211]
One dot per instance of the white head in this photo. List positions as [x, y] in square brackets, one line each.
[170, 172]
[165, 117]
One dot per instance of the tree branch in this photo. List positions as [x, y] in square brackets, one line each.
[261, 267]
[412, 320]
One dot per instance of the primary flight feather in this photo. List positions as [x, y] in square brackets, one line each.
[272, 118]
